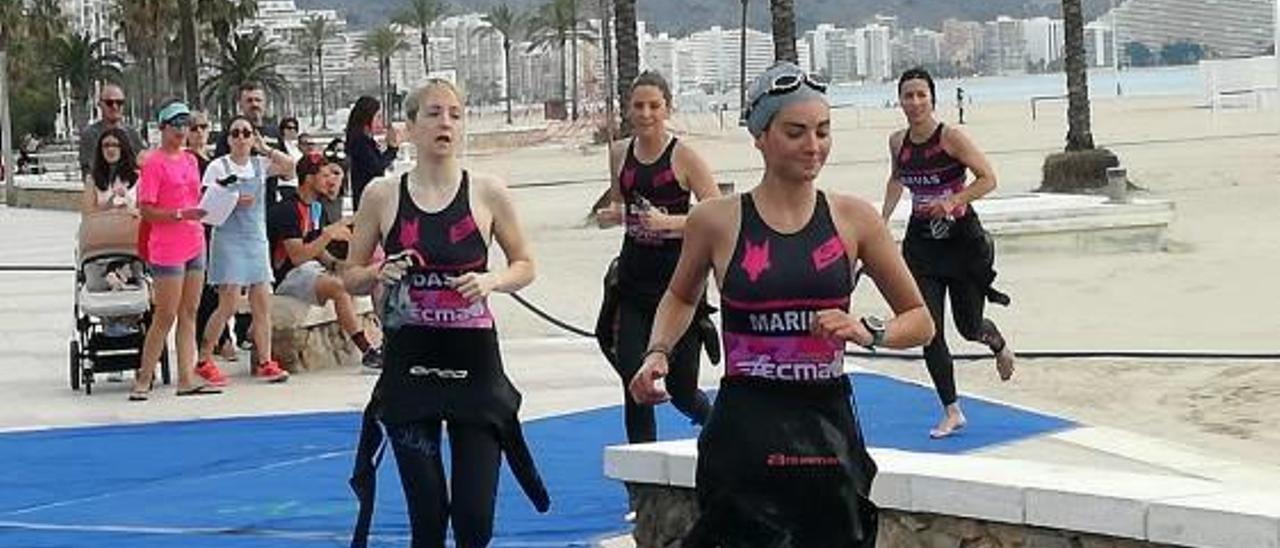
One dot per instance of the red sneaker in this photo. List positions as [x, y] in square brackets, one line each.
[270, 371]
[210, 373]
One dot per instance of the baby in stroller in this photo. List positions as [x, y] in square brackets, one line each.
[113, 298]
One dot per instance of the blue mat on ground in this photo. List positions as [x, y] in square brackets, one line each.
[281, 480]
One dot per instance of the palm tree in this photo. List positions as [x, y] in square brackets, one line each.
[45, 22]
[421, 14]
[1079, 134]
[382, 43]
[318, 31]
[502, 20]
[81, 63]
[145, 26]
[224, 16]
[628, 54]
[190, 65]
[244, 58]
[784, 30]
[556, 23]
[306, 49]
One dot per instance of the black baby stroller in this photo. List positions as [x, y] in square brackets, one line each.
[112, 300]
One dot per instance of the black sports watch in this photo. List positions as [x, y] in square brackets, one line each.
[877, 328]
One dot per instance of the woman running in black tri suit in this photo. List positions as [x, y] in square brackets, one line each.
[946, 247]
[782, 461]
[441, 361]
[657, 174]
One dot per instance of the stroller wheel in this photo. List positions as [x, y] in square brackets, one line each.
[76, 370]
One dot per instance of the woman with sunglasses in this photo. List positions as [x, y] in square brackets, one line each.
[111, 182]
[173, 246]
[945, 246]
[442, 364]
[655, 178]
[782, 461]
[198, 146]
[239, 255]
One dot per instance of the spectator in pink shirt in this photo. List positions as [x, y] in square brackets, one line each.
[173, 245]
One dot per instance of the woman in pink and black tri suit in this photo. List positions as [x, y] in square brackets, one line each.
[782, 461]
[441, 361]
[656, 179]
[946, 247]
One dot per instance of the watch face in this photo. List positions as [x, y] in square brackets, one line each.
[874, 323]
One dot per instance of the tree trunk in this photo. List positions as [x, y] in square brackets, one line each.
[311, 76]
[324, 113]
[426, 56]
[1079, 134]
[564, 93]
[506, 58]
[573, 16]
[628, 56]
[742, 64]
[190, 63]
[784, 30]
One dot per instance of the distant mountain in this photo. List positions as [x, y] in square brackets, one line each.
[680, 17]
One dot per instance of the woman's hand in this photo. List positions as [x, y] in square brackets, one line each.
[610, 215]
[474, 286]
[655, 220]
[944, 208]
[191, 214]
[838, 324]
[245, 200]
[647, 386]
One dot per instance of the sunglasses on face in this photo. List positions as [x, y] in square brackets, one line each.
[111, 145]
[113, 102]
[199, 127]
[787, 83]
[240, 133]
[290, 128]
[181, 122]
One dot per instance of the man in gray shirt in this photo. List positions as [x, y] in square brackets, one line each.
[111, 104]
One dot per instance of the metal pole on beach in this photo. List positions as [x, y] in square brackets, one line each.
[6, 133]
[1115, 46]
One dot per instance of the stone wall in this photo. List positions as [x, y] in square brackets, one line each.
[664, 513]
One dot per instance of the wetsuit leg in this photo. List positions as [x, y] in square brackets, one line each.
[417, 449]
[937, 356]
[634, 324]
[682, 378]
[967, 306]
[476, 457]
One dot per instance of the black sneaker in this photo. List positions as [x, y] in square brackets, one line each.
[371, 363]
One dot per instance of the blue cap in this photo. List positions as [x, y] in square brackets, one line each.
[763, 105]
[171, 111]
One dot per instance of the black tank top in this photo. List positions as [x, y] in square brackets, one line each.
[648, 257]
[448, 244]
[929, 172]
[773, 287]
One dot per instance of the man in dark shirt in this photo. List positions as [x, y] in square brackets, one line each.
[298, 236]
[111, 103]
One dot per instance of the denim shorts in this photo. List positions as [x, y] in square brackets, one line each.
[196, 264]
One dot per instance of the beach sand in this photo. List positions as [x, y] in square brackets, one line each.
[1211, 289]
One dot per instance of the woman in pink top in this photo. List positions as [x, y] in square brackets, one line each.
[169, 197]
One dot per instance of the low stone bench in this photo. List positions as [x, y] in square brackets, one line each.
[306, 337]
[933, 500]
[1072, 223]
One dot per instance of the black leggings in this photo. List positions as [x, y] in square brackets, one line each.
[967, 305]
[433, 499]
[634, 325]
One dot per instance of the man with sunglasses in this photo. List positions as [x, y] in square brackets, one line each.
[111, 105]
[303, 268]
